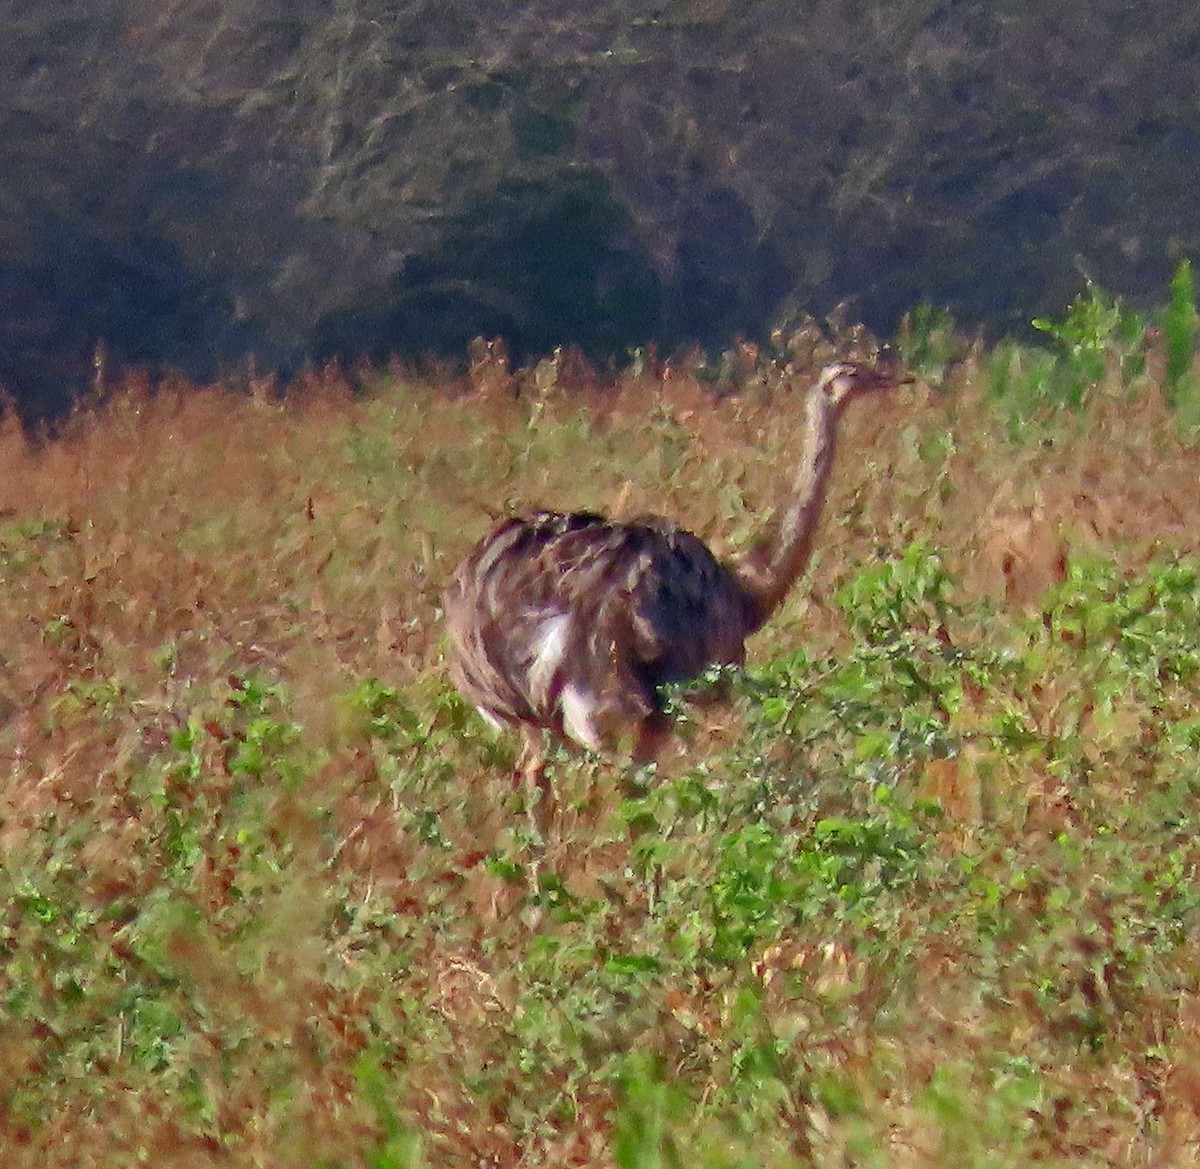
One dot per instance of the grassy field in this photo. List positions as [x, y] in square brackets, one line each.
[922, 894]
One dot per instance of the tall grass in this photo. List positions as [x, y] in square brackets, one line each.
[921, 893]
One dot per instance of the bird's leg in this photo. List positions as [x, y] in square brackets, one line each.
[652, 733]
[532, 773]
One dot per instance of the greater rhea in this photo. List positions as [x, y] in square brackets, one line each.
[572, 623]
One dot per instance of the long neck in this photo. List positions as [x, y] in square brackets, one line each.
[779, 557]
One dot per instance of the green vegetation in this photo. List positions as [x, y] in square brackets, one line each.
[1179, 324]
[923, 891]
[1096, 331]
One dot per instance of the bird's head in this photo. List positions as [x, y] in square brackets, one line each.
[843, 380]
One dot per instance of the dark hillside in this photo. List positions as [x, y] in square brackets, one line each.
[193, 182]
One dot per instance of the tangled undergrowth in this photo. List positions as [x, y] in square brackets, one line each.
[923, 893]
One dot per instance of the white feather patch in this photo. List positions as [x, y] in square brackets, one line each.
[578, 708]
[551, 647]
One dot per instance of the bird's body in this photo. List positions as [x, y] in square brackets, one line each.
[572, 623]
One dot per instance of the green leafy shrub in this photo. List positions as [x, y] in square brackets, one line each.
[1098, 334]
[1179, 325]
[929, 343]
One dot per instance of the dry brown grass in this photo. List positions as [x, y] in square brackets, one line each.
[172, 539]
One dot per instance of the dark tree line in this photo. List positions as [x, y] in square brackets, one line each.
[196, 180]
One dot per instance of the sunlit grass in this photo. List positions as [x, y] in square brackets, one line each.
[922, 893]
